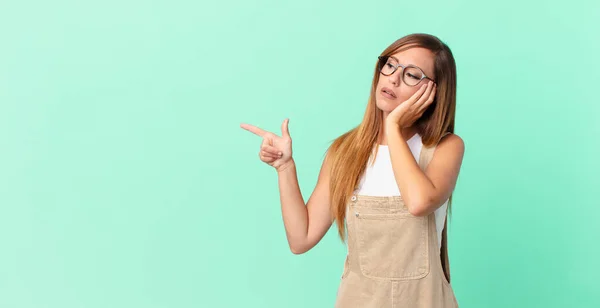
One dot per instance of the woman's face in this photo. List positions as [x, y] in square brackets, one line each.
[392, 90]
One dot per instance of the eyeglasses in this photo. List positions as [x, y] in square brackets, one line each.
[411, 75]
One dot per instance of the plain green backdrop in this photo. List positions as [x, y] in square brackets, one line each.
[126, 181]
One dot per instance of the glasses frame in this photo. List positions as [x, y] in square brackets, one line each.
[383, 61]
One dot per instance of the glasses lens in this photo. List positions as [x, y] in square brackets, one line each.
[386, 66]
[412, 76]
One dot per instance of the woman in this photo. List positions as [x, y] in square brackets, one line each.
[388, 182]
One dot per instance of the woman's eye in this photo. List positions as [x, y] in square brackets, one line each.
[412, 76]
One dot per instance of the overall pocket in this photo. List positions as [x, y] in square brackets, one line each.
[393, 246]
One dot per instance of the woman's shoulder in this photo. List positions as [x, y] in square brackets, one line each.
[451, 142]
[451, 136]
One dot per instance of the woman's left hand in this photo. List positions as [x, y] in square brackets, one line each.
[413, 108]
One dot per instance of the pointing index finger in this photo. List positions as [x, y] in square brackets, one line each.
[253, 129]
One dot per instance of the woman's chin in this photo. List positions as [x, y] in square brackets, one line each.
[385, 106]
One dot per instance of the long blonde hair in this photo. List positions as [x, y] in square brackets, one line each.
[349, 153]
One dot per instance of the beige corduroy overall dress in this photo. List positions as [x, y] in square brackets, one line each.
[393, 256]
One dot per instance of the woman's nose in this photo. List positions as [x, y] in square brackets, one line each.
[395, 77]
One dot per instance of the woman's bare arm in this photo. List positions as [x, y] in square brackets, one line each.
[425, 191]
[305, 225]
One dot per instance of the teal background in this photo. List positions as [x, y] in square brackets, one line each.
[127, 182]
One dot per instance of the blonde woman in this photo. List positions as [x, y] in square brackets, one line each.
[387, 183]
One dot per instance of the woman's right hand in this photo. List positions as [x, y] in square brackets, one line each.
[274, 150]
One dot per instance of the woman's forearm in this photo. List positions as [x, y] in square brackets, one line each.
[293, 208]
[413, 184]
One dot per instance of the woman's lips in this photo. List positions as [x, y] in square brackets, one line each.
[388, 93]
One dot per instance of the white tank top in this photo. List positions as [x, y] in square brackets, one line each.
[379, 180]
